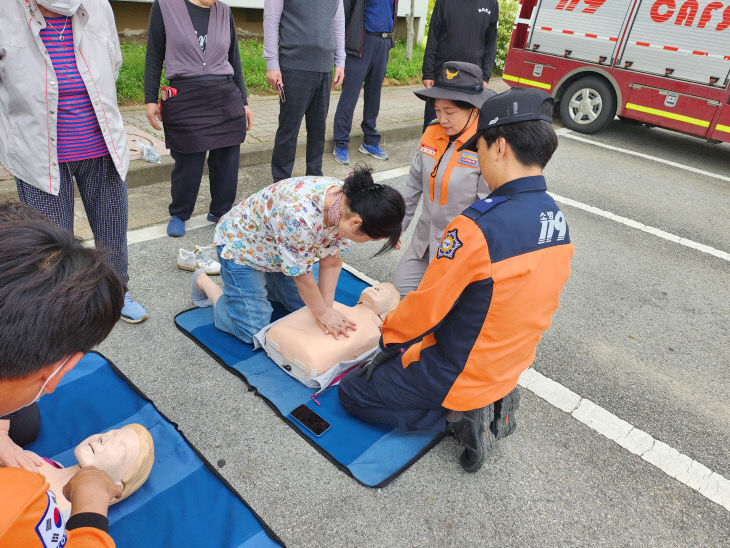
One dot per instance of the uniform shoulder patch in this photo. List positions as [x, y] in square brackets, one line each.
[469, 158]
[51, 529]
[449, 245]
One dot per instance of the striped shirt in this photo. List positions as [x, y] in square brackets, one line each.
[79, 134]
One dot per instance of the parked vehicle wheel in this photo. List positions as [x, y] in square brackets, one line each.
[588, 105]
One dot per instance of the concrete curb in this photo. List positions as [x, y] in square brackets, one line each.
[143, 173]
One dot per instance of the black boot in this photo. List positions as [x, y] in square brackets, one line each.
[504, 422]
[473, 433]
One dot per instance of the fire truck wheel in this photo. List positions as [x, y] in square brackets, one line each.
[587, 105]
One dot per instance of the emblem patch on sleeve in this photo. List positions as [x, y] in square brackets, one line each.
[51, 529]
[449, 244]
[469, 158]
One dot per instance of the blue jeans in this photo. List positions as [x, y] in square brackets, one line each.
[245, 306]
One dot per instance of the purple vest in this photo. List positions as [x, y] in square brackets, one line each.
[183, 55]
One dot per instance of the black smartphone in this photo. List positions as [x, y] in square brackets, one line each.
[282, 96]
[310, 420]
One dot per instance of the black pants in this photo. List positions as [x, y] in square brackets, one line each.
[25, 424]
[307, 96]
[429, 115]
[365, 72]
[186, 175]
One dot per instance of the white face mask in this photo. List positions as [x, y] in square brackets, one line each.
[43, 388]
[64, 7]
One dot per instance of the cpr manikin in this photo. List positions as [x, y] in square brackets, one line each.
[126, 454]
[297, 343]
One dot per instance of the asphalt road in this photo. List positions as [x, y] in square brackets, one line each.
[642, 331]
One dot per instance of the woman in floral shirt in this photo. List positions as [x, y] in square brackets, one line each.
[269, 243]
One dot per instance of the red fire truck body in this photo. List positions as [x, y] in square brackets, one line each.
[662, 62]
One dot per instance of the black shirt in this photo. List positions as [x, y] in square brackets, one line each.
[156, 49]
[462, 30]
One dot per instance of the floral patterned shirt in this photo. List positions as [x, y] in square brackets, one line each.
[281, 228]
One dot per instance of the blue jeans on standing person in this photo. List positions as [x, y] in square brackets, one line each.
[365, 72]
[244, 309]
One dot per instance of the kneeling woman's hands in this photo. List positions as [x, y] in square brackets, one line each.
[335, 323]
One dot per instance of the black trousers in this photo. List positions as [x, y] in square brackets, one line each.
[307, 95]
[25, 424]
[222, 171]
[429, 115]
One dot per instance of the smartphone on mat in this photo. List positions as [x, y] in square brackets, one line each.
[310, 420]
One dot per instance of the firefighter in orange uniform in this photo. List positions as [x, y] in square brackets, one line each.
[57, 301]
[453, 350]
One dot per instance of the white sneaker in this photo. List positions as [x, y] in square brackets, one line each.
[193, 260]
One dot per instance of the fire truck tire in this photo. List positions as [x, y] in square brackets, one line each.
[587, 105]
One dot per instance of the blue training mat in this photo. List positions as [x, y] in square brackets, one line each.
[373, 454]
[166, 511]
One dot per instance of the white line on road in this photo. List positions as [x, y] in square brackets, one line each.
[693, 474]
[644, 228]
[565, 132]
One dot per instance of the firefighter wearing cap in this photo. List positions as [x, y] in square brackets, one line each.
[449, 180]
[453, 350]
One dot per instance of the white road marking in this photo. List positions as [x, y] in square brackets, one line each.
[160, 230]
[391, 173]
[565, 132]
[644, 228]
[693, 474]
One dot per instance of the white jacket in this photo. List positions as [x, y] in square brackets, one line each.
[29, 90]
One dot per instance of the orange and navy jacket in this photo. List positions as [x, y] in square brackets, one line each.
[30, 518]
[474, 322]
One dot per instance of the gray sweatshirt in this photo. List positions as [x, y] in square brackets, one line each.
[304, 35]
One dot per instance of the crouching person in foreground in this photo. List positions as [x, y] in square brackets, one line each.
[452, 352]
[57, 301]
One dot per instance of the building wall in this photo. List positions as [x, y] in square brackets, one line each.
[132, 16]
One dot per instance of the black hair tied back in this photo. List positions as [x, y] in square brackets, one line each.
[380, 207]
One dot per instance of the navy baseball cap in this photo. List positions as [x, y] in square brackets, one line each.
[511, 107]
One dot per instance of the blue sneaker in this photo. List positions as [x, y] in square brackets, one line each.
[176, 227]
[342, 156]
[375, 151]
[213, 218]
[132, 311]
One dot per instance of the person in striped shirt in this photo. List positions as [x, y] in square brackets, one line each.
[59, 119]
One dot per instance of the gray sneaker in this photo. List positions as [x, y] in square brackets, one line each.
[194, 260]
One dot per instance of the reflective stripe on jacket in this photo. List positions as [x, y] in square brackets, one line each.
[456, 185]
[474, 322]
[29, 90]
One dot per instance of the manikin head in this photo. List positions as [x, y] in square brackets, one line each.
[126, 454]
[381, 298]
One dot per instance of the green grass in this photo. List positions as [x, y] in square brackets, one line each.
[130, 85]
[401, 71]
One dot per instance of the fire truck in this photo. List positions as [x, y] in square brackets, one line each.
[661, 62]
